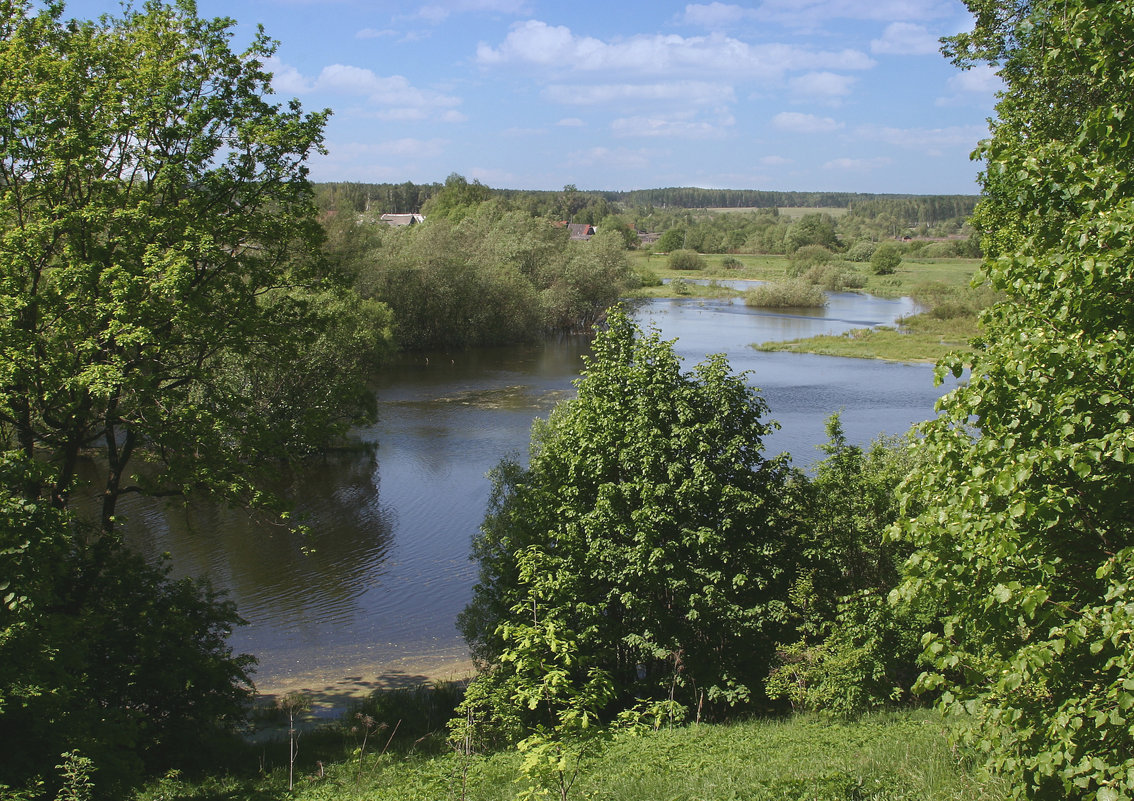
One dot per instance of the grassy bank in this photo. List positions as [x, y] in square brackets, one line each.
[884, 757]
[922, 338]
[912, 273]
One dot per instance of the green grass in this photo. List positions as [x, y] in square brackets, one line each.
[795, 212]
[921, 339]
[883, 757]
[911, 273]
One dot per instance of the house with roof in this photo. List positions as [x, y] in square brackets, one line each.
[398, 220]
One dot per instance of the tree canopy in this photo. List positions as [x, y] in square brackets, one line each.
[660, 529]
[1027, 535]
[166, 318]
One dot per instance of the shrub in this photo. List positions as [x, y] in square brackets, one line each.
[685, 260]
[886, 259]
[834, 277]
[806, 258]
[732, 263]
[862, 250]
[785, 294]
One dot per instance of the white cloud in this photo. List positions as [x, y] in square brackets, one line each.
[905, 39]
[439, 12]
[621, 158]
[715, 16]
[828, 85]
[810, 13]
[688, 92]
[981, 79]
[406, 148]
[286, 80]
[571, 122]
[537, 43]
[978, 84]
[395, 97]
[374, 33]
[681, 127]
[774, 161]
[522, 132]
[857, 165]
[804, 123]
[933, 141]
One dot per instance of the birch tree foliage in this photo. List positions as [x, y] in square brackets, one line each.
[1027, 536]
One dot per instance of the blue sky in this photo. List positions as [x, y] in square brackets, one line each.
[845, 95]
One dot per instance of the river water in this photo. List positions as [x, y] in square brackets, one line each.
[376, 586]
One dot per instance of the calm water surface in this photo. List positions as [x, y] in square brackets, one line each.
[385, 570]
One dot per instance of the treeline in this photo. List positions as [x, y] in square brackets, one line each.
[649, 206]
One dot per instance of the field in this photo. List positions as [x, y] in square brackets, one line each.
[912, 273]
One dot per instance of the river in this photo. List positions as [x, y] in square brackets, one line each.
[371, 595]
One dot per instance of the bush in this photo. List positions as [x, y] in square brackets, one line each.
[862, 250]
[732, 263]
[685, 260]
[785, 294]
[806, 258]
[886, 259]
[834, 277]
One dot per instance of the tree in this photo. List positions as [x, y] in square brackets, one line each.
[852, 652]
[885, 259]
[157, 243]
[164, 312]
[671, 240]
[812, 229]
[666, 528]
[1027, 537]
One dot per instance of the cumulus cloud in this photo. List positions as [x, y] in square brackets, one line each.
[977, 84]
[391, 97]
[804, 123]
[827, 85]
[857, 165]
[688, 92]
[905, 39]
[555, 46]
[571, 122]
[286, 80]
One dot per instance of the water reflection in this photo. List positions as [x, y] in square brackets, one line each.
[385, 570]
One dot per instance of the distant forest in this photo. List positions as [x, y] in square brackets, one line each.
[580, 206]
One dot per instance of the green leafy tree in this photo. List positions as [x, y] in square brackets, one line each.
[157, 243]
[667, 528]
[885, 259]
[166, 313]
[1027, 537]
[852, 651]
[812, 229]
[671, 240]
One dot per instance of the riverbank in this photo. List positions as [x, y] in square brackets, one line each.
[332, 695]
[921, 339]
[886, 757]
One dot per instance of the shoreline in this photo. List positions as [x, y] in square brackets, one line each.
[332, 694]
